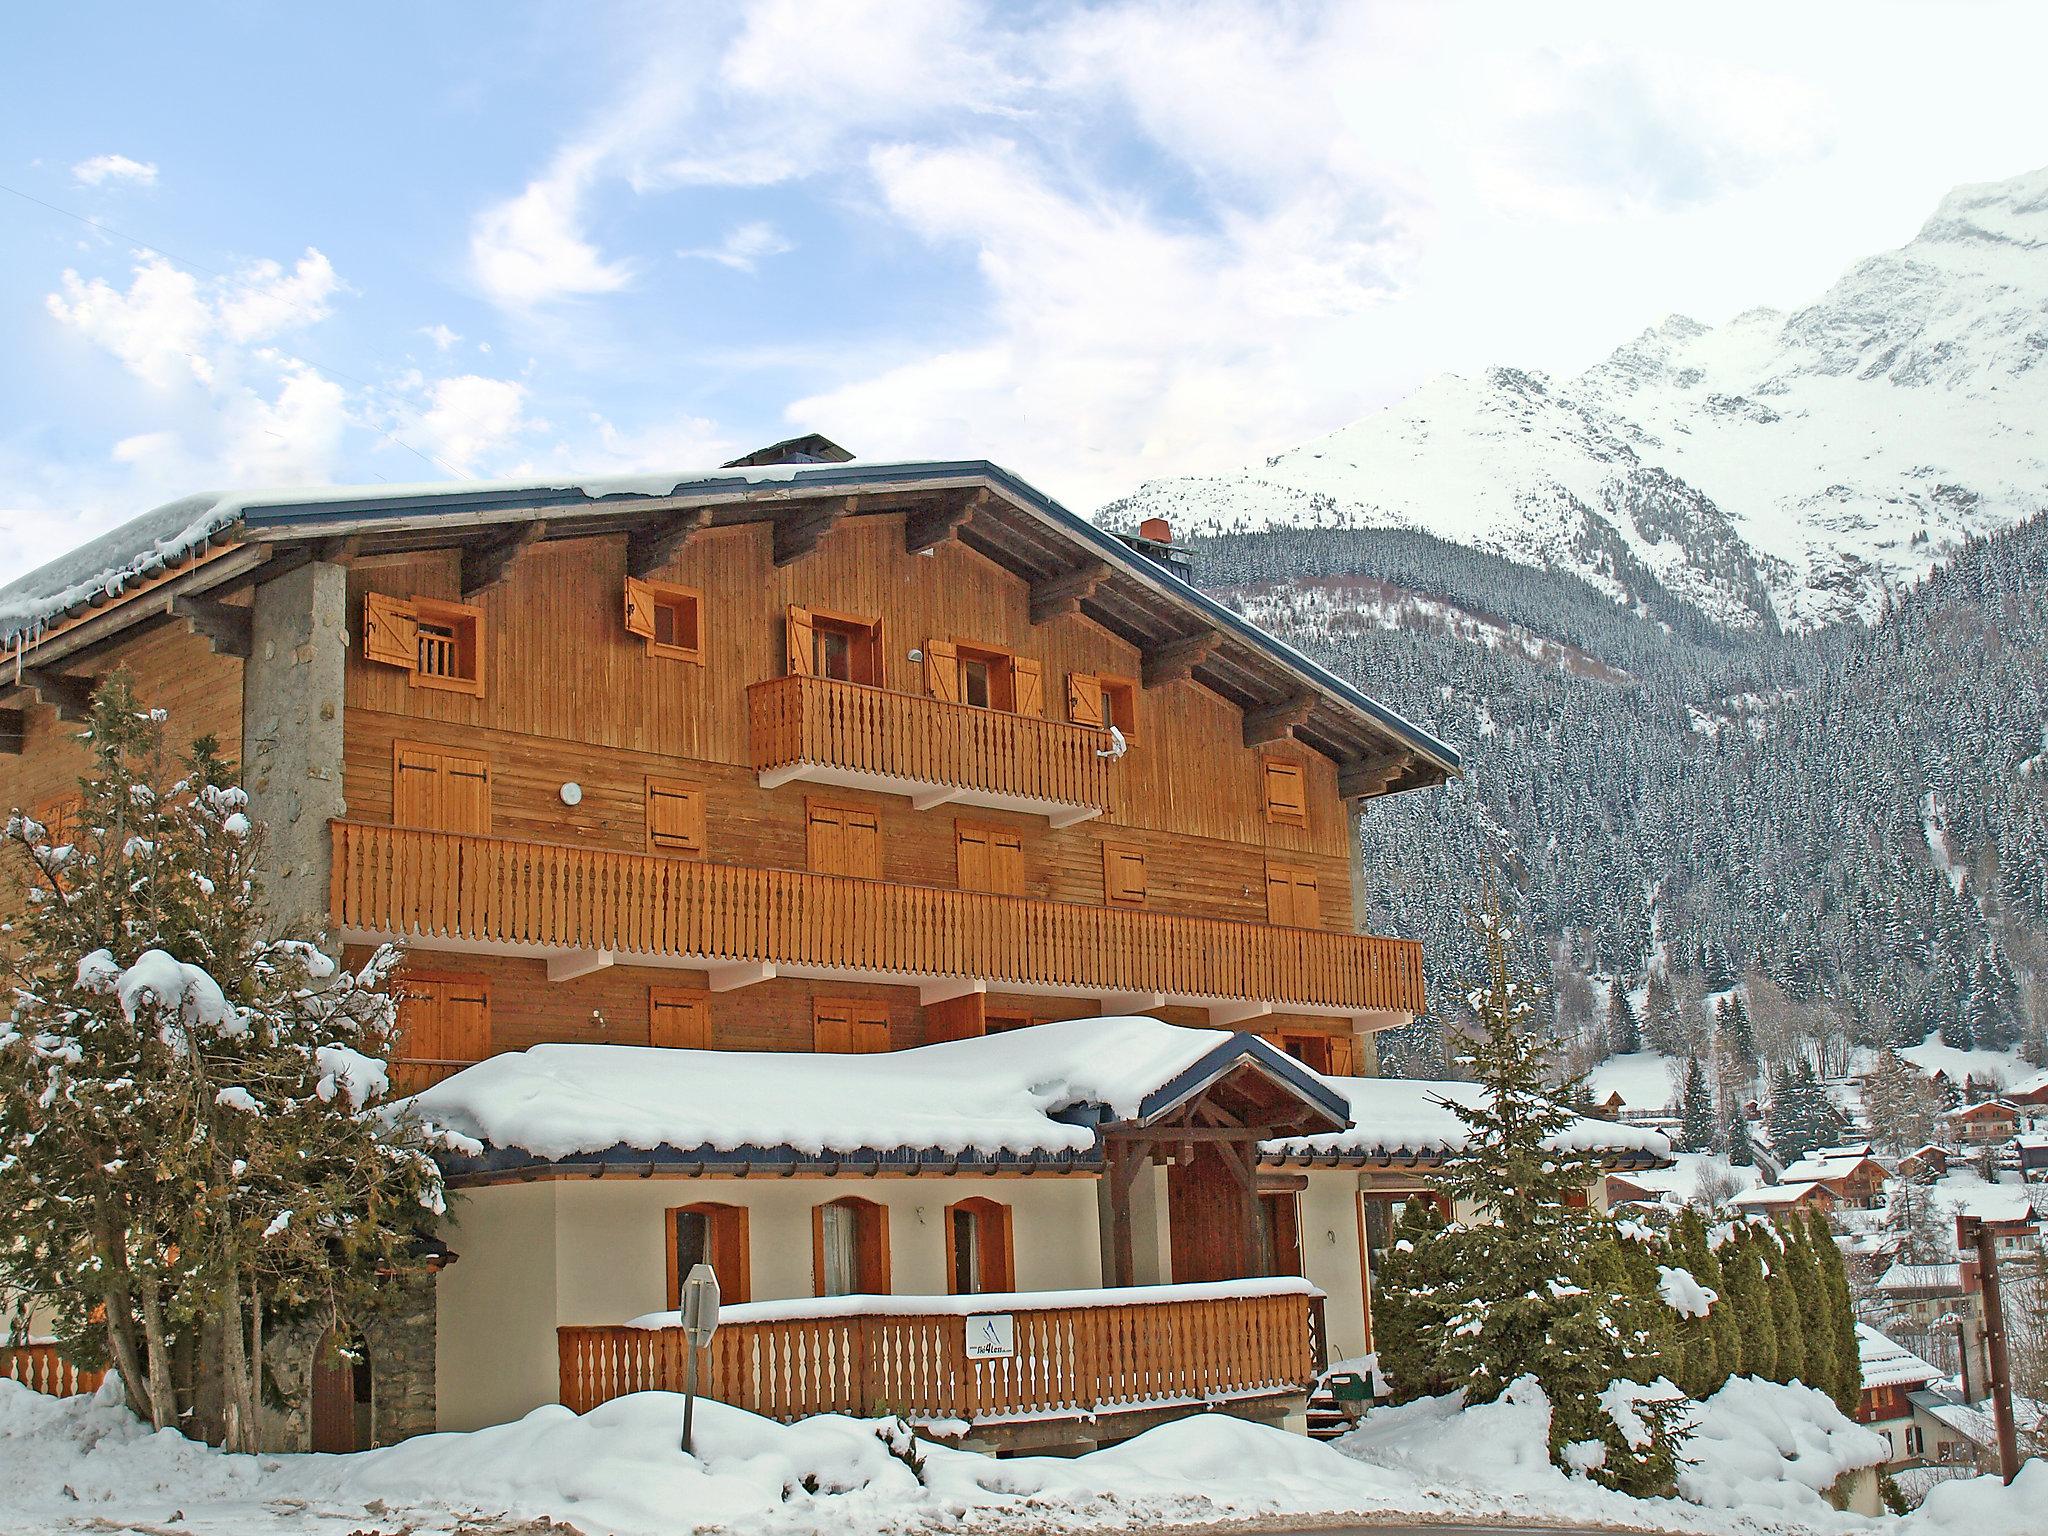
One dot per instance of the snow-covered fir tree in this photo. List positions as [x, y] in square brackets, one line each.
[1624, 1034]
[1699, 1130]
[190, 1148]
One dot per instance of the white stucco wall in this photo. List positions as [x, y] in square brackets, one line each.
[1333, 1258]
[494, 1346]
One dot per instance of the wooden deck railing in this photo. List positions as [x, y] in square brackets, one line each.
[41, 1369]
[851, 726]
[425, 884]
[1076, 1352]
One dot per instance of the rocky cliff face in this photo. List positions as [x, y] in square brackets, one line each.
[1778, 470]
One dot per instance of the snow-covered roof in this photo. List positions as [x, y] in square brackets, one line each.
[1770, 1196]
[1821, 1167]
[1024, 1093]
[1396, 1119]
[1886, 1364]
[1921, 1277]
[1974, 1196]
[1967, 1111]
[1682, 1181]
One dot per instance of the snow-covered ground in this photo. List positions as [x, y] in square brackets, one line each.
[1646, 1080]
[1760, 1454]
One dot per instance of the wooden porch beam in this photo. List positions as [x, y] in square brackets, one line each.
[228, 629]
[649, 549]
[1177, 659]
[932, 526]
[70, 696]
[341, 548]
[1360, 778]
[799, 534]
[1055, 596]
[1274, 722]
[485, 565]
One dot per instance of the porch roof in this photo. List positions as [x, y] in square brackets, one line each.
[1033, 1098]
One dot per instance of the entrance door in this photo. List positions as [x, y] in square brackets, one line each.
[340, 1392]
[1205, 1211]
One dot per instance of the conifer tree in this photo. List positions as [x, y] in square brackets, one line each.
[1660, 1016]
[1846, 1384]
[1783, 1304]
[189, 1148]
[1697, 1128]
[1719, 1352]
[1737, 1032]
[1749, 1295]
[1624, 1035]
[1741, 1151]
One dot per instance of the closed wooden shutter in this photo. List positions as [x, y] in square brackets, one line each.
[415, 787]
[1293, 896]
[989, 858]
[639, 608]
[678, 1020]
[1343, 1055]
[849, 1026]
[801, 641]
[1028, 678]
[391, 631]
[942, 670]
[1006, 863]
[468, 804]
[844, 840]
[439, 790]
[1123, 875]
[1084, 699]
[1286, 793]
[63, 818]
[444, 1019]
[970, 848]
[675, 816]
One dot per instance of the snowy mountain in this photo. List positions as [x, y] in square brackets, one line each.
[1778, 470]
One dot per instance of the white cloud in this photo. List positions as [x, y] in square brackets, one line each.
[531, 249]
[160, 327]
[101, 169]
[744, 247]
[294, 437]
[471, 418]
[266, 301]
[440, 335]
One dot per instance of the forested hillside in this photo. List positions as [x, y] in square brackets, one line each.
[1854, 820]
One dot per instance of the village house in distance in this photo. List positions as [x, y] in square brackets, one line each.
[869, 879]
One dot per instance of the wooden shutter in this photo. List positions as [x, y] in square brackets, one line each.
[1006, 863]
[678, 1020]
[849, 1026]
[1343, 1055]
[63, 818]
[1084, 699]
[970, 850]
[1293, 897]
[1028, 679]
[639, 608]
[439, 790]
[989, 858]
[1123, 875]
[465, 1021]
[391, 633]
[675, 815]
[942, 670]
[467, 802]
[863, 834]
[844, 840]
[801, 642]
[415, 787]
[1286, 793]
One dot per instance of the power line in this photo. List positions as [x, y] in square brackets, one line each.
[301, 358]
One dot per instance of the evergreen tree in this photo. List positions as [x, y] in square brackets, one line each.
[1748, 1294]
[1738, 1033]
[1845, 1386]
[1902, 1109]
[1660, 1017]
[1624, 1035]
[1740, 1150]
[189, 1148]
[1710, 1346]
[1810, 1302]
[1782, 1302]
[1697, 1131]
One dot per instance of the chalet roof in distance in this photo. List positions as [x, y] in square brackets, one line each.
[57, 611]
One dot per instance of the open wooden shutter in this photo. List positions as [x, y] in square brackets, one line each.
[1123, 876]
[675, 815]
[391, 631]
[1084, 699]
[639, 608]
[801, 642]
[1029, 682]
[678, 1020]
[942, 670]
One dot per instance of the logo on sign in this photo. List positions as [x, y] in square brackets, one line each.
[991, 1336]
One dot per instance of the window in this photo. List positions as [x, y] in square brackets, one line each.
[849, 1026]
[678, 1019]
[439, 790]
[669, 618]
[843, 840]
[1102, 701]
[1293, 899]
[444, 1024]
[675, 816]
[842, 646]
[850, 1248]
[1312, 1051]
[1916, 1442]
[1281, 1210]
[985, 677]
[979, 1253]
[1123, 875]
[989, 858]
[1286, 793]
[1382, 1211]
[713, 1234]
[439, 643]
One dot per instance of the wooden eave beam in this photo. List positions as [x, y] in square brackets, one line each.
[649, 549]
[1360, 778]
[485, 565]
[1177, 659]
[228, 629]
[929, 527]
[797, 534]
[70, 696]
[1275, 722]
[1056, 596]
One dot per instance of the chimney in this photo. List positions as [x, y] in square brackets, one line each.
[1154, 540]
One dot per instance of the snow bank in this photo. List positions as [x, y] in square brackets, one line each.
[1984, 1506]
[1758, 1445]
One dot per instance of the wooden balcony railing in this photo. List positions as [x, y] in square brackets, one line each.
[934, 750]
[543, 896]
[41, 1369]
[1075, 1352]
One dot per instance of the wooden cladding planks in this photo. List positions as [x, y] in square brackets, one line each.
[436, 884]
[1071, 1359]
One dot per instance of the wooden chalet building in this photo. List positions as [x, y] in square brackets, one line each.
[799, 758]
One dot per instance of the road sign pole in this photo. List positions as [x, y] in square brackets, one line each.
[689, 1397]
[699, 1319]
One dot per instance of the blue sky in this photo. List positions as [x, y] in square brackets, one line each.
[1096, 243]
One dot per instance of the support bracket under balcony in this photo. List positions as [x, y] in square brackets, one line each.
[573, 963]
[1225, 1015]
[934, 798]
[1074, 817]
[946, 991]
[730, 978]
[1117, 1003]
